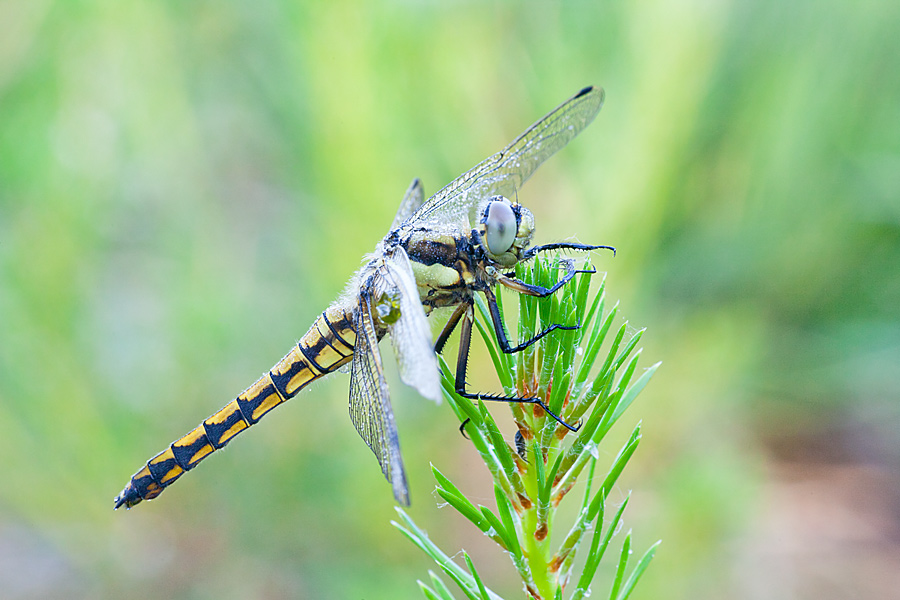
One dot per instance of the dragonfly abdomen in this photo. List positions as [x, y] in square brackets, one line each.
[326, 347]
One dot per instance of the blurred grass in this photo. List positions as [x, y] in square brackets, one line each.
[184, 186]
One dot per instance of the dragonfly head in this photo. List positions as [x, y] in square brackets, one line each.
[504, 230]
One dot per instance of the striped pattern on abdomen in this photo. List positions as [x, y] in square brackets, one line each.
[326, 346]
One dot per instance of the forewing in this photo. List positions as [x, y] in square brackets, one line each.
[505, 172]
[411, 335]
[412, 200]
[370, 402]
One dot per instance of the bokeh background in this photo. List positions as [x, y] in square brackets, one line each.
[185, 185]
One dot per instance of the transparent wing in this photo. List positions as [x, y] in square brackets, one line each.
[411, 335]
[505, 172]
[370, 401]
[412, 200]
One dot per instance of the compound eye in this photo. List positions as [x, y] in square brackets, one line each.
[500, 227]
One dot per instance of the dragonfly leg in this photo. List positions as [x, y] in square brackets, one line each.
[500, 330]
[540, 291]
[532, 252]
[452, 322]
[462, 361]
[510, 281]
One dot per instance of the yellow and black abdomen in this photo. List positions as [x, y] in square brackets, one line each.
[326, 346]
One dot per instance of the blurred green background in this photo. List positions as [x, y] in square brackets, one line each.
[185, 185]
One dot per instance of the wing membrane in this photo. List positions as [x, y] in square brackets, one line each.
[412, 200]
[370, 402]
[505, 172]
[411, 335]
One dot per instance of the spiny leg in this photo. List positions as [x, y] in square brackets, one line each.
[500, 330]
[532, 252]
[465, 340]
[451, 324]
[510, 280]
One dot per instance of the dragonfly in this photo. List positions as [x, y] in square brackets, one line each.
[439, 253]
